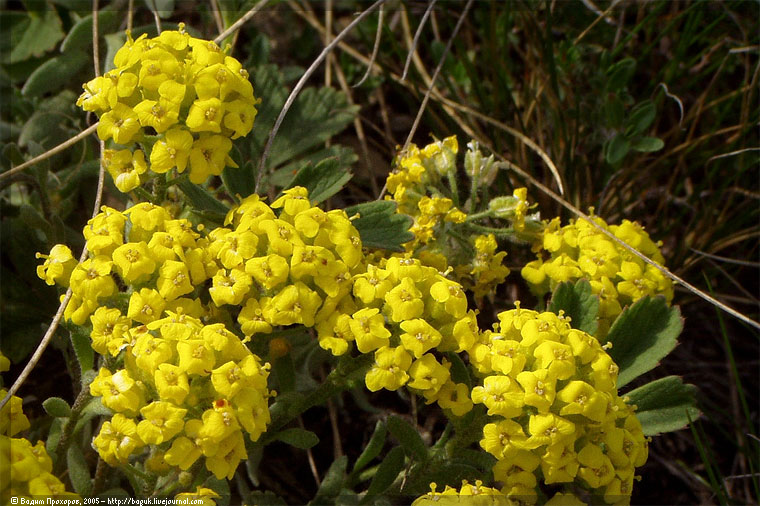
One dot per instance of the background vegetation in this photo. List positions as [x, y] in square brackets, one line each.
[649, 110]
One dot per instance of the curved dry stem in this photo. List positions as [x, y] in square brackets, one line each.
[52, 151]
[240, 22]
[691, 288]
[375, 48]
[416, 40]
[437, 71]
[96, 207]
[302, 82]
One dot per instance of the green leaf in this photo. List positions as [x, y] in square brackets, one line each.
[642, 335]
[202, 200]
[332, 482]
[620, 73]
[380, 226]
[459, 372]
[372, 450]
[82, 344]
[616, 149]
[54, 437]
[79, 473]
[57, 407]
[386, 474]
[577, 301]
[664, 405]
[614, 111]
[316, 116]
[647, 144]
[53, 73]
[322, 180]
[283, 176]
[240, 180]
[641, 118]
[300, 438]
[41, 35]
[409, 438]
[164, 8]
[80, 35]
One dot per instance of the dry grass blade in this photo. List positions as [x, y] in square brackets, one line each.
[416, 40]
[96, 207]
[52, 151]
[436, 72]
[691, 288]
[240, 22]
[302, 82]
[375, 48]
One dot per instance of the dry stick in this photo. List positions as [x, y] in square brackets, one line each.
[52, 151]
[666, 272]
[416, 40]
[98, 196]
[375, 48]
[217, 16]
[240, 22]
[601, 15]
[436, 72]
[95, 38]
[302, 82]
[357, 126]
[446, 103]
[156, 18]
[328, 39]
[310, 457]
[130, 14]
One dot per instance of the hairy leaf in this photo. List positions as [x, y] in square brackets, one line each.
[664, 405]
[642, 335]
[577, 301]
[322, 180]
[300, 438]
[409, 438]
[380, 226]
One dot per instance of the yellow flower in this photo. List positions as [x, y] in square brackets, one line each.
[184, 452]
[251, 319]
[582, 399]
[12, 417]
[173, 280]
[120, 123]
[171, 383]
[455, 396]
[109, 331]
[162, 421]
[206, 116]
[503, 439]
[195, 357]
[549, 429]
[501, 395]
[201, 496]
[368, 328]
[117, 440]
[58, 265]
[208, 156]
[92, 279]
[239, 117]
[296, 303]
[419, 336]
[270, 271]
[150, 352]
[119, 391]
[596, 468]
[145, 305]
[428, 375]
[389, 370]
[133, 261]
[163, 113]
[230, 452]
[334, 333]
[173, 150]
[230, 288]
[404, 301]
[125, 168]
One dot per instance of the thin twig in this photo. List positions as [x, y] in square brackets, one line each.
[445, 53]
[95, 38]
[302, 82]
[696, 291]
[156, 17]
[217, 16]
[727, 260]
[51, 152]
[375, 48]
[96, 208]
[328, 39]
[240, 22]
[130, 14]
[416, 40]
[601, 15]
[310, 457]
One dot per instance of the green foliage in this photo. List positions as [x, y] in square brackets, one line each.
[300, 438]
[664, 405]
[322, 180]
[373, 448]
[577, 301]
[409, 438]
[57, 407]
[642, 335]
[386, 474]
[380, 226]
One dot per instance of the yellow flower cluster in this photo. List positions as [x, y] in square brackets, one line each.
[558, 418]
[478, 495]
[181, 98]
[404, 312]
[26, 469]
[580, 250]
[439, 236]
[160, 295]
